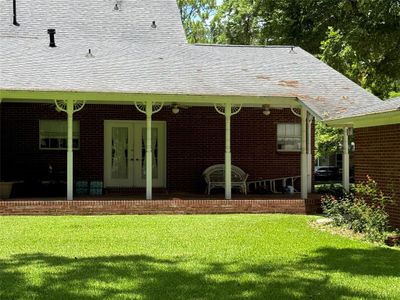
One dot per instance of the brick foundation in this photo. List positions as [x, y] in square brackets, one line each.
[378, 155]
[110, 207]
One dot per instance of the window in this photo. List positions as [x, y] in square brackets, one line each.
[53, 135]
[289, 137]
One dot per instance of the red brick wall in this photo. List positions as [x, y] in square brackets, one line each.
[195, 140]
[378, 155]
[87, 207]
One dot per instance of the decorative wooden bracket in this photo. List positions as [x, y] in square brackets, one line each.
[297, 114]
[62, 105]
[235, 109]
[156, 107]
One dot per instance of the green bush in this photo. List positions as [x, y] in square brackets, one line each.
[361, 211]
[333, 189]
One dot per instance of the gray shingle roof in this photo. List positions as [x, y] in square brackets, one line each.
[135, 59]
[75, 19]
[388, 105]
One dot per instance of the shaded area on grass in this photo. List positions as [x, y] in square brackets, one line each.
[374, 261]
[148, 277]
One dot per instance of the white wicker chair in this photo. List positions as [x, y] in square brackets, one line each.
[215, 177]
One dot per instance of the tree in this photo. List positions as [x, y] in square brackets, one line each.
[328, 140]
[266, 22]
[196, 17]
[365, 44]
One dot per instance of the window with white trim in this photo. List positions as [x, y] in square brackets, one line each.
[289, 137]
[53, 135]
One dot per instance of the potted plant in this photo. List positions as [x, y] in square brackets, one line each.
[6, 188]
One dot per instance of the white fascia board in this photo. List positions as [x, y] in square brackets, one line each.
[371, 120]
[128, 98]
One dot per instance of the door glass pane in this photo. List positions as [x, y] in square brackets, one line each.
[155, 154]
[281, 130]
[119, 153]
[298, 130]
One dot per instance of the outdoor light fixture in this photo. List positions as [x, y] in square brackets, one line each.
[266, 110]
[175, 109]
[154, 25]
[352, 146]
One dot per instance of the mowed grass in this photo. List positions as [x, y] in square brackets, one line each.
[189, 257]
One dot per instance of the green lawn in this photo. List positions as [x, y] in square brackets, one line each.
[189, 257]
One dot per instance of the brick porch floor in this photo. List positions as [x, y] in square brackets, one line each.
[164, 204]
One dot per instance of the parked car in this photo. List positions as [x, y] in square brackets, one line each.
[326, 172]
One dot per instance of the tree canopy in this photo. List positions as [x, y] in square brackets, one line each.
[196, 15]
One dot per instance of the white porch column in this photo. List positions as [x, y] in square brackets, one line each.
[70, 153]
[228, 111]
[304, 165]
[228, 156]
[149, 108]
[346, 161]
[149, 159]
[309, 153]
[70, 107]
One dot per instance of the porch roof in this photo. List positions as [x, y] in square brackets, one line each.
[132, 58]
[160, 68]
[385, 113]
[388, 105]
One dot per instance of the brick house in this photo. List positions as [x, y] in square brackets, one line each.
[377, 153]
[116, 94]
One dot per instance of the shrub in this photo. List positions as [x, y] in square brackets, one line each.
[336, 208]
[361, 211]
[330, 189]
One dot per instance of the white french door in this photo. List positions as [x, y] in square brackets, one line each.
[125, 153]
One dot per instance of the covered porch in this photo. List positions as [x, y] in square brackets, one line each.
[151, 107]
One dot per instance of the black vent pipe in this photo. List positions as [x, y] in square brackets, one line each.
[52, 32]
[15, 23]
